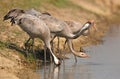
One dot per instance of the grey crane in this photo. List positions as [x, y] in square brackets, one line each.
[33, 26]
[58, 28]
[75, 26]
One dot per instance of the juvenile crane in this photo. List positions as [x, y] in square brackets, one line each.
[33, 26]
[76, 26]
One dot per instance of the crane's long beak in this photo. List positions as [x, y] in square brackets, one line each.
[6, 17]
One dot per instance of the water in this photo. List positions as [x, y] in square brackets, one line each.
[103, 64]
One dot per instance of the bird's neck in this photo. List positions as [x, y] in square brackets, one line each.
[72, 50]
[85, 27]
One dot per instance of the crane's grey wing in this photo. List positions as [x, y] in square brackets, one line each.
[54, 24]
[33, 12]
[74, 26]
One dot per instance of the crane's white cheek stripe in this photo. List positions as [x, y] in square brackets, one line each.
[85, 26]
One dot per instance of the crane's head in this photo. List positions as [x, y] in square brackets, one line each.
[88, 25]
[12, 14]
[82, 55]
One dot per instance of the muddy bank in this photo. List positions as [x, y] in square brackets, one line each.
[14, 66]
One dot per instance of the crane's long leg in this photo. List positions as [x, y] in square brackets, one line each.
[27, 48]
[65, 44]
[56, 60]
[45, 48]
[58, 47]
[33, 48]
[71, 44]
[52, 47]
[26, 44]
[30, 47]
[75, 59]
[73, 54]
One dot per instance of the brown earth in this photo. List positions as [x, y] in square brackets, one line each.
[13, 65]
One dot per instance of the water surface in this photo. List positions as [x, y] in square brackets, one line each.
[103, 64]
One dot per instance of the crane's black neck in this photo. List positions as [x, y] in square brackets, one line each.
[85, 27]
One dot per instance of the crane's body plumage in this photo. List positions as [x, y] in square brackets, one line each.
[33, 26]
[75, 27]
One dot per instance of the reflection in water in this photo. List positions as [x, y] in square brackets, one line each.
[67, 70]
[103, 64]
